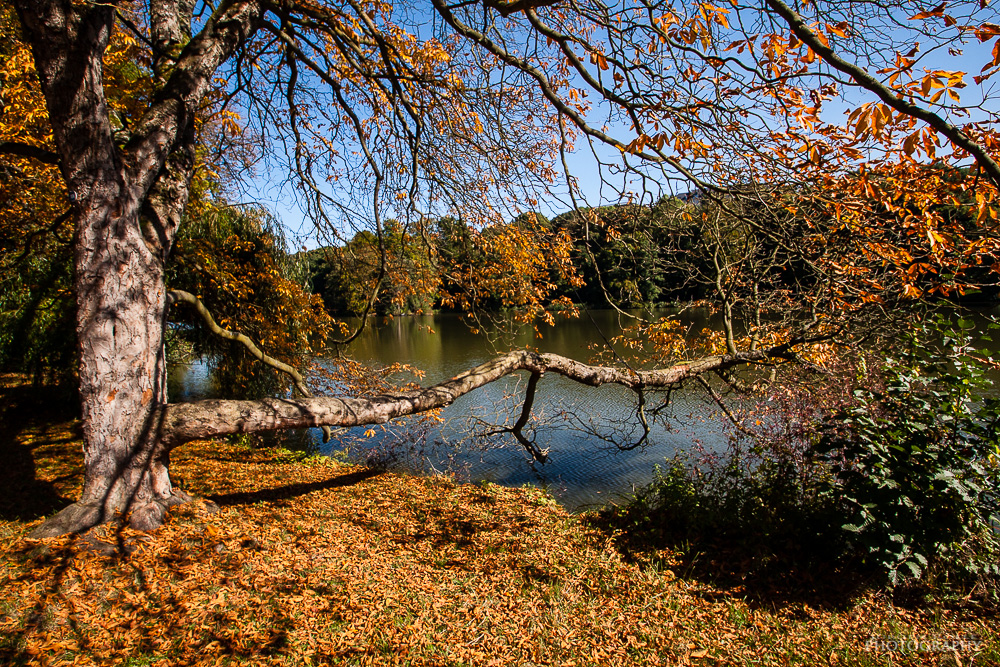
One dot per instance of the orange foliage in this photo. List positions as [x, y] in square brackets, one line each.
[235, 265]
[517, 266]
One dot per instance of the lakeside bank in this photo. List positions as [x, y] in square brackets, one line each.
[301, 561]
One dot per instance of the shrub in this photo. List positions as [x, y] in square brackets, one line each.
[741, 517]
[897, 478]
[914, 465]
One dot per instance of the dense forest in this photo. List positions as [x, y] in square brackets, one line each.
[629, 255]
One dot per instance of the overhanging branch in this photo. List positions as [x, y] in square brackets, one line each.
[205, 419]
[886, 94]
[180, 296]
[27, 150]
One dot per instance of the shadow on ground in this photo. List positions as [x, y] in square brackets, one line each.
[289, 491]
[788, 573]
[36, 424]
[802, 569]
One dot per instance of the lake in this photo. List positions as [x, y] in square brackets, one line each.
[572, 421]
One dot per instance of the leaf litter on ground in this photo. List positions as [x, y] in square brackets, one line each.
[313, 562]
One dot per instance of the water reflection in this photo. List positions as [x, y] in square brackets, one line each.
[570, 419]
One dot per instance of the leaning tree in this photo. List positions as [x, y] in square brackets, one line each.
[473, 110]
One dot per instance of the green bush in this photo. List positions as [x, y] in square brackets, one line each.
[740, 516]
[897, 479]
[914, 465]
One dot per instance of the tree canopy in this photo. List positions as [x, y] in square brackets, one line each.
[386, 116]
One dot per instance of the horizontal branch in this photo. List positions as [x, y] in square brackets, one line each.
[27, 150]
[183, 422]
[180, 296]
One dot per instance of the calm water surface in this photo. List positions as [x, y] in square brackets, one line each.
[574, 422]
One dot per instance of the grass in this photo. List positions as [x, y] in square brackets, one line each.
[309, 563]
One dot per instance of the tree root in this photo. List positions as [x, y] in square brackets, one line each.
[80, 517]
[77, 518]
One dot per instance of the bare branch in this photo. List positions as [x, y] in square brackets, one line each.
[517, 430]
[719, 401]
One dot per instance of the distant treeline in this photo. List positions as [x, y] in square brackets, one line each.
[634, 255]
[671, 252]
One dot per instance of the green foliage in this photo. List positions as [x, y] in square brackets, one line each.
[748, 516]
[396, 267]
[236, 261]
[899, 480]
[628, 252]
[37, 314]
[915, 464]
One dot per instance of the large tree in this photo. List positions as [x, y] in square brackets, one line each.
[473, 109]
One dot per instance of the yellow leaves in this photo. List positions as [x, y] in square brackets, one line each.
[308, 560]
[916, 235]
[937, 12]
[518, 265]
[742, 44]
[695, 29]
[24, 116]
[713, 14]
[929, 82]
[816, 154]
[936, 239]
[996, 57]
[870, 119]
[985, 207]
[986, 31]
[598, 58]
[669, 339]
[838, 29]
[643, 140]
[942, 81]
[666, 20]
[229, 121]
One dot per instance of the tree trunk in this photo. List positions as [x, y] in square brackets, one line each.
[118, 262]
[121, 301]
[120, 314]
[118, 284]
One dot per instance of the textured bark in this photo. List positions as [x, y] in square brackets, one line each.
[190, 421]
[118, 281]
[118, 260]
[170, 25]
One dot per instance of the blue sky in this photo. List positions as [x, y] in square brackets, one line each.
[275, 192]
